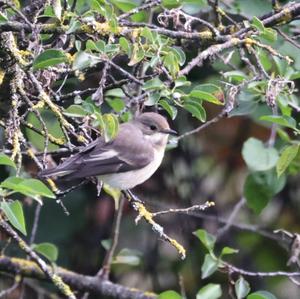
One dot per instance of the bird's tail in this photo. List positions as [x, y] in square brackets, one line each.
[53, 172]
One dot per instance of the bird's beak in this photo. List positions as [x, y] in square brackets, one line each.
[169, 131]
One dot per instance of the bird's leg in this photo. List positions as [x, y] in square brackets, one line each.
[99, 186]
[59, 201]
[60, 194]
[128, 193]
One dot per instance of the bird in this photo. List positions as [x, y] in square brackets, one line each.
[124, 162]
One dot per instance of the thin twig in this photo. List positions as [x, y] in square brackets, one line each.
[140, 8]
[35, 223]
[5, 293]
[194, 208]
[147, 216]
[287, 38]
[202, 127]
[234, 269]
[57, 281]
[105, 270]
[239, 205]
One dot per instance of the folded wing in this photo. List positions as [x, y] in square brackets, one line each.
[98, 158]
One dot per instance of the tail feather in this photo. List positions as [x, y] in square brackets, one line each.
[54, 172]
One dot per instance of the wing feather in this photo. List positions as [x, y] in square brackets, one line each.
[98, 158]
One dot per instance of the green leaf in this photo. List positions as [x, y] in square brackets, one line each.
[148, 34]
[117, 104]
[169, 295]
[137, 55]
[208, 92]
[14, 213]
[73, 26]
[258, 24]
[75, 111]
[171, 3]
[37, 187]
[228, 250]
[172, 111]
[257, 193]
[283, 120]
[295, 75]
[196, 109]
[269, 35]
[180, 55]
[265, 59]
[115, 93]
[261, 295]
[5, 160]
[260, 187]
[209, 266]
[83, 60]
[29, 187]
[210, 291]
[99, 6]
[124, 5]
[281, 65]
[182, 81]
[125, 45]
[257, 156]
[95, 46]
[128, 257]
[48, 250]
[106, 244]
[109, 125]
[242, 288]
[286, 158]
[49, 12]
[3, 18]
[235, 76]
[153, 84]
[171, 63]
[208, 240]
[100, 45]
[48, 58]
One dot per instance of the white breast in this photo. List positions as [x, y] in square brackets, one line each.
[130, 179]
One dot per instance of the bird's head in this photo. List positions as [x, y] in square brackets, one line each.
[154, 127]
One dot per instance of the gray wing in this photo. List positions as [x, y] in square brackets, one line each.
[126, 152]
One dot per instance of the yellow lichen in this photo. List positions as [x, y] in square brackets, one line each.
[2, 75]
[70, 57]
[207, 34]
[135, 33]
[39, 105]
[81, 139]
[30, 153]
[287, 16]
[16, 146]
[249, 41]
[55, 109]
[178, 247]
[87, 28]
[52, 185]
[58, 141]
[65, 289]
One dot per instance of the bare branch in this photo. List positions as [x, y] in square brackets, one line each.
[78, 282]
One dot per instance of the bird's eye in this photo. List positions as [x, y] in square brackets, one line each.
[153, 128]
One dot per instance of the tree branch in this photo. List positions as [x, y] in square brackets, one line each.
[78, 282]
